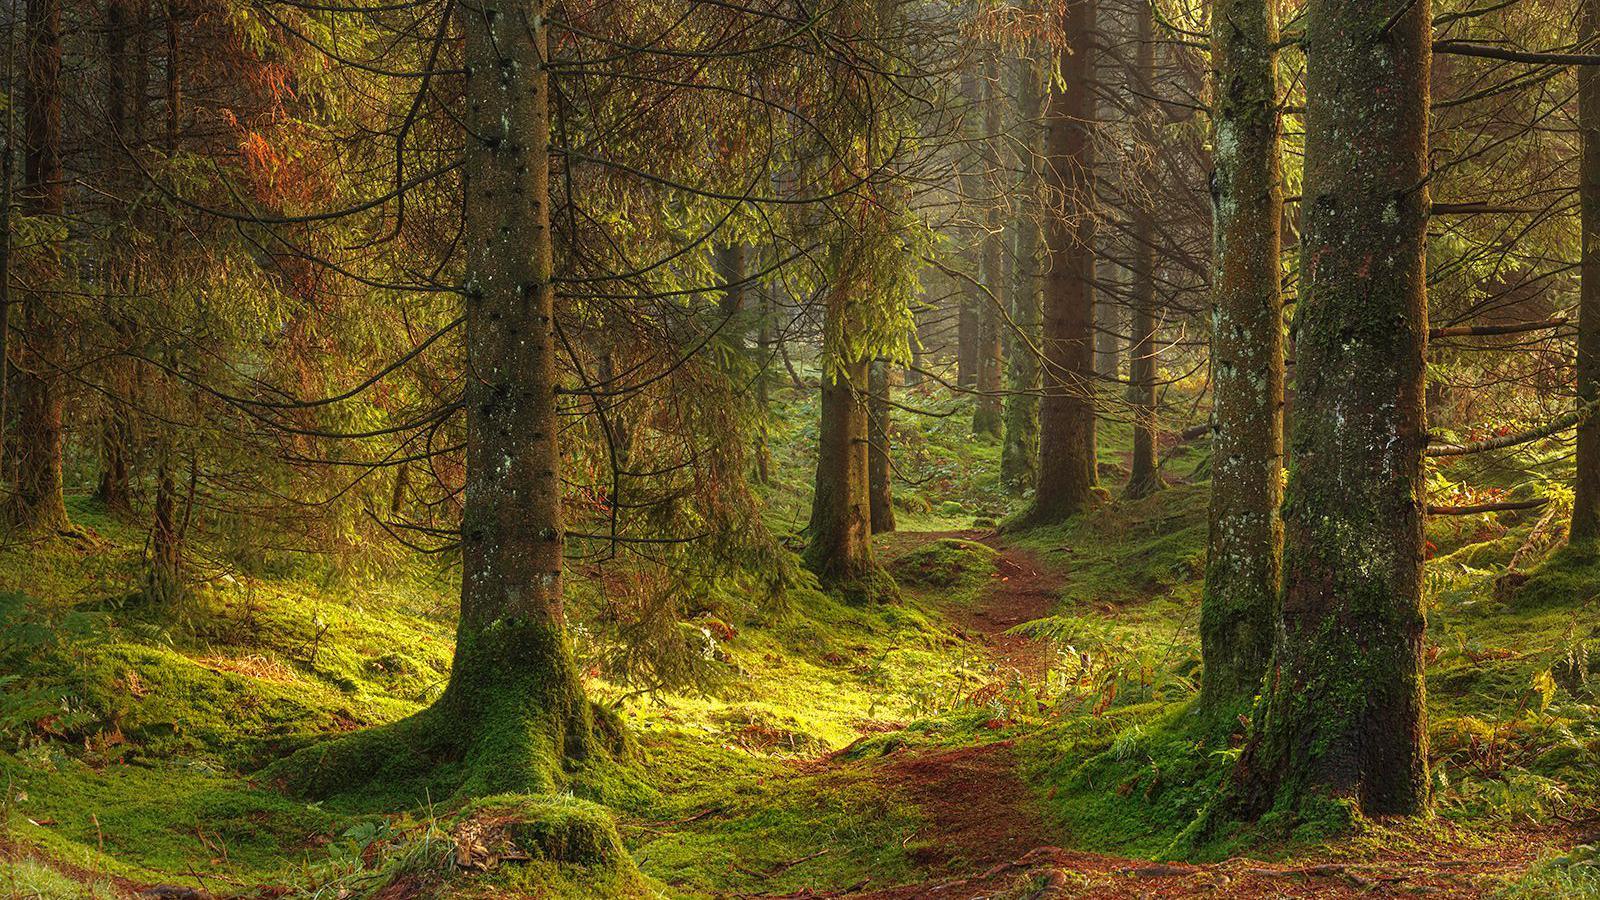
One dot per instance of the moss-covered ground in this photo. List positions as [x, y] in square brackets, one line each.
[839, 747]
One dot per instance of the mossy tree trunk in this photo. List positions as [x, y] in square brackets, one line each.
[514, 696]
[38, 502]
[1067, 410]
[1239, 607]
[1586, 485]
[1342, 718]
[987, 415]
[1019, 451]
[839, 550]
[880, 495]
[1145, 477]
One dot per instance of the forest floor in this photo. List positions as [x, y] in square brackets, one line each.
[1014, 727]
[985, 835]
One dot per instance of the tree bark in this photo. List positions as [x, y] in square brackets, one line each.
[880, 384]
[166, 535]
[38, 503]
[1239, 607]
[1019, 451]
[1586, 482]
[840, 546]
[117, 434]
[514, 692]
[1145, 477]
[987, 415]
[1342, 720]
[969, 318]
[1067, 474]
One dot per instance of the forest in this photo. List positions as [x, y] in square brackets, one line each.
[1003, 449]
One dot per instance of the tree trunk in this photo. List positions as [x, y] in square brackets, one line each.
[38, 503]
[514, 697]
[166, 535]
[880, 495]
[117, 434]
[840, 546]
[969, 321]
[1239, 609]
[1019, 451]
[764, 391]
[1586, 487]
[1343, 714]
[987, 415]
[1145, 478]
[1066, 412]
[1108, 325]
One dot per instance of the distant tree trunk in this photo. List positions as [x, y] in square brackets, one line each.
[116, 437]
[1145, 477]
[731, 261]
[880, 383]
[1586, 485]
[969, 320]
[166, 535]
[38, 502]
[1019, 452]
[987, 415]
[764, 391]
[840, 547]
[1066, 412]
[1239, 609]
[1343, 709]
[1108, 325]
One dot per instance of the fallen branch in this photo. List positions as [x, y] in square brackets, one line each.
[1558, 424]
[1510, 506]
[1450, 331]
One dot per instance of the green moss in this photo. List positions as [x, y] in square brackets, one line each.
[945, 562]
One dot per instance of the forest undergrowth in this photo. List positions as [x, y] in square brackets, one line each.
[1019, 724]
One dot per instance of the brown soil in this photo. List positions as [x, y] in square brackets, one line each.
[979, 812]
[1430, 868]
[1023, 590]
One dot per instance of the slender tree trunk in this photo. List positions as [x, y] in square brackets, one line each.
[988, 414]
[166, 535]
[1019, 453]
[1239, 610]
[1343, 710]
[1145, 478]
[880, 495]
[1067, 410]
[514, 689]
[730, 260]
[1109, 326]
[117, 435]
[840, 546]
[969, 321]
[1586, 485]
[764, 391]
[38, 503]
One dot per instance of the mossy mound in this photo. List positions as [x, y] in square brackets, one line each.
[552, 829]
[1569, 577]
[946, 562]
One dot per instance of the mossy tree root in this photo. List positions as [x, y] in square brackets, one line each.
[513, 719]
